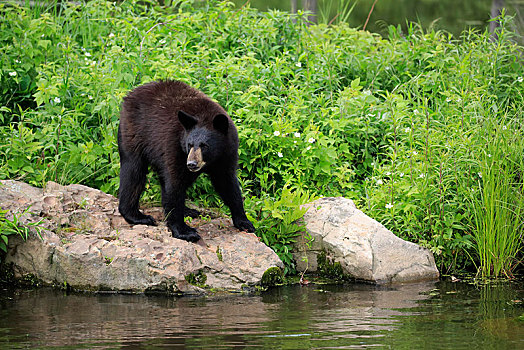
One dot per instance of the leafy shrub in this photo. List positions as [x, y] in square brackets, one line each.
[424, 187]
[14, 226]
[322, 110]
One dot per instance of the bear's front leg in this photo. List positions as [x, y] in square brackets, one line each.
[173, 203]
[184, 232]
[227, 186]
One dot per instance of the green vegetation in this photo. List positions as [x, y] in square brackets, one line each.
[330, 269]
[197, 279]
[15, 226]
[403, 125]
[219, 254]
[272, 276]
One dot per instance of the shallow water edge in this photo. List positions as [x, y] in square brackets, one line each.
[437, 314]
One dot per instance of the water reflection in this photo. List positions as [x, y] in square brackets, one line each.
[439, 314]
[451, 15]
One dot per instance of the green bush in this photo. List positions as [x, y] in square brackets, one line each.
[321, 110]
[429, 185]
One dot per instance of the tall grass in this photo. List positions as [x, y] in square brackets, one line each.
[335, 11]
[428, 187]
[497, 204]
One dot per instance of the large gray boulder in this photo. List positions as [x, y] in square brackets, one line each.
[363, 247]
[87, 245]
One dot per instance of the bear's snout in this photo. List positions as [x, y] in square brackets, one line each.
[194, 160]
[192, 166]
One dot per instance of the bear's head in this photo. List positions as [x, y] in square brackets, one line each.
[203, 143]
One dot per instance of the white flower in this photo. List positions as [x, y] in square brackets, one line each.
[308, 148]
[90, 97]
[504, 127]
[448, 99]
[407, 130]
[480, 175]
[280, 155]
[379, 182]
[111, 35]
[57, 100]
[163, 41]
[520, 79]
[415, 111]
[401, 174]
[372, 163]
[389, 206]
[297, 134]
[489, 155]
[88, 54]
[415, 153]
[276, 133]
[422, 176]
[298, 64]
[388, 173]
[17, 61]
[311, 140]
[12, 74]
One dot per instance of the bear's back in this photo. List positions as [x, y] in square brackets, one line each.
[162, 100]
[149, 116]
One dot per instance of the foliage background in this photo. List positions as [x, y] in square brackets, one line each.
[402, 125]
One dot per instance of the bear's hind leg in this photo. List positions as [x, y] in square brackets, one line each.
[133, 173]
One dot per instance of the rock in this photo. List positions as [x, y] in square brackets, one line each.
[363, 247]
[86, 245]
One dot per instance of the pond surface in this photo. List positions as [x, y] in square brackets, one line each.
[440, 315]
[451, 15]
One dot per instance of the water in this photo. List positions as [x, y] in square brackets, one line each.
[439, 315]
[451, 15]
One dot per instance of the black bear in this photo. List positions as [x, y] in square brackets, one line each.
[181, 133]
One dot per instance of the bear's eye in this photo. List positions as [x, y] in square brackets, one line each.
[204, 146]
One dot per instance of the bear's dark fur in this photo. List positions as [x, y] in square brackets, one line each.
[181, 133]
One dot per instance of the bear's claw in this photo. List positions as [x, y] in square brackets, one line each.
[185, 233]
[142, 220]
[245, 225]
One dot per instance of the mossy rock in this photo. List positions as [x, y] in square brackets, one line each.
[328, 268]
[272, 276]
[7, 275]
[197, 279]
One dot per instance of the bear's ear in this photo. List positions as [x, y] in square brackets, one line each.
[221, 123]
[187, 121]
